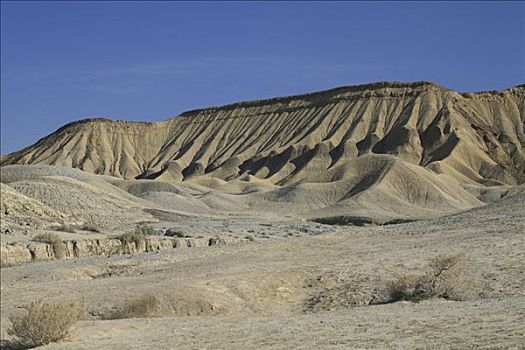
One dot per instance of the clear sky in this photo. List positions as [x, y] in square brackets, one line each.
[152, 60]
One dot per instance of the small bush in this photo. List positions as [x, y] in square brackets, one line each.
[146, 305]
[174, 232]
[409, 288]
[137, 236]
[131, 237]
[444, 262]
[55, 241]
[44, 322]
[447, 271]
[443, 280]
[145, 230]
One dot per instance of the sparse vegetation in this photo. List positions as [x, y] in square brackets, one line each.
[145, 230]
[146, 305]
[175, 232]
[73, 228]
[55, 241]
[89, 227]
[137, 236]
[65, 228]
[409, 288]
[44, 322]
[443, 280]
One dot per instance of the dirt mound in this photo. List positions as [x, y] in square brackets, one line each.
[81, 201]
[373, 188]
[18, 210]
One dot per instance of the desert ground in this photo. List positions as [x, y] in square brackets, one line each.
[385, 216]
[318, 287]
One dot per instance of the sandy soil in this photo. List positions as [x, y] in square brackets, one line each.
[259, 294]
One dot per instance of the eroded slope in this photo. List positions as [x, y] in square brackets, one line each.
[473, 137]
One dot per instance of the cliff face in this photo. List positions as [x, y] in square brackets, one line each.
[475, 138]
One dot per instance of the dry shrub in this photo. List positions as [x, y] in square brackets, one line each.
[137, 236]
[131, 237]
[146, 305]
[55, 241]
[175, 232]
[145, 230]
[443, 280]
[448, 281]
[44, 322]
[408, 287]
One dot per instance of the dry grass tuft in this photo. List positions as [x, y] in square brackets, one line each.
[146, 305]
[55, 241]
[44, 322]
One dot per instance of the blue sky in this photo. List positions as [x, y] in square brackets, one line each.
[65, 61]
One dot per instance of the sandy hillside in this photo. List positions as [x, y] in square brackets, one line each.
[377, 152]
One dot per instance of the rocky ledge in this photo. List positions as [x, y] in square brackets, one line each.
[17, 253]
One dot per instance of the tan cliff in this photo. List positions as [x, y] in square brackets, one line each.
[474, 137]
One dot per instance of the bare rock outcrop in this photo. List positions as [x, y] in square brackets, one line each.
[18, 253]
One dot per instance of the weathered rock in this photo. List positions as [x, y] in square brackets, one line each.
[83, 248]
[155, 244]
[129, 248]
[224, 240]
[190, 242]
[97, 247]
[12, 254]
[69, 250]
[17, 253]
[216, 241]
[140, 246]
[108, 247]
[41, 251]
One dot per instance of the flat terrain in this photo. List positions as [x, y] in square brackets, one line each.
[305, 292]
